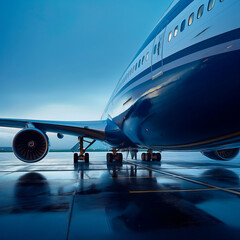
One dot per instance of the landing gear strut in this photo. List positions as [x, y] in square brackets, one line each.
[115, 155]
[82, 156]
[134, 153]
[150, 155]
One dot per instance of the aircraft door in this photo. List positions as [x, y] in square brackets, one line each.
[157, 55]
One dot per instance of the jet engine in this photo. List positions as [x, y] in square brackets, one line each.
[223, 155]
[30, 145]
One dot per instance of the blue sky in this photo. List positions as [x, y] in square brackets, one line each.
[61, 60]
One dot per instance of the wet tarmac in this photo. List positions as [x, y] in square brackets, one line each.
[186, 196]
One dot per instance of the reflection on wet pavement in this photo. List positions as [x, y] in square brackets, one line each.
[186, 196]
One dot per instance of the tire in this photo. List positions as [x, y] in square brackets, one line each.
[119, 157]
[148, 157]
[75, 158]
[159, 157]
[86, 157]
[154, 157]
[143, 156]
[109, 157]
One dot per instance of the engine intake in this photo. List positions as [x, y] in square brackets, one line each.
[30, 145]
[224, 155]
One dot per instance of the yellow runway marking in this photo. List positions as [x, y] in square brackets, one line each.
[176, 190]
[186, 179]
[180, 190]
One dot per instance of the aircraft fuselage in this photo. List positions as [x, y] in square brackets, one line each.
[181, 91]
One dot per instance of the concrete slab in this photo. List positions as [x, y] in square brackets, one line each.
[184, 196]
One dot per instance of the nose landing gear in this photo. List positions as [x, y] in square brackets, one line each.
[82, 156]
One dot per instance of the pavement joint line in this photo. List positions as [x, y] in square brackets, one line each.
[128, 177]
[70, 214]
[186, 179]
[40, 170]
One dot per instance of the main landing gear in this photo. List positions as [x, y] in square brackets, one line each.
[115, 155]
[82, 156]
[150, 155]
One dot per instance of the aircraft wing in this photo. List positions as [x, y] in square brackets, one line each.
[91, 129]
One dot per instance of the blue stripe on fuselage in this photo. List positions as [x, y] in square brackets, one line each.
[222, 38]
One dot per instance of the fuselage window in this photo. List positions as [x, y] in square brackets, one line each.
[139, 63]
[183, 25]
[147, 56]
[158, 49]
[190, 20]
[200, 11]
[211, 4]
[143, 59]
[176, 31]
[155, 49]
[169, 36]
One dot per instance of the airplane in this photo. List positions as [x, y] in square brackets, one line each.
[179, 93]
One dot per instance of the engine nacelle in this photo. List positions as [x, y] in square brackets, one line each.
[30, 145]
[223, 155]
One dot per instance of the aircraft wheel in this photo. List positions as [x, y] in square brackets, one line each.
[86, 157]
[148, 157]
[143, 156]
[159, 157]
[75, 158]
[154, 156]
[109, 157]
[119, 157]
